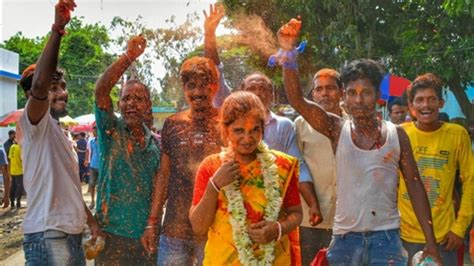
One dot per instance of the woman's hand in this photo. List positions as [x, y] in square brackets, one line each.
[226, 174]
[263, 232]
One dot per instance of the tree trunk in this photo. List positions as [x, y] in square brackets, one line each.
[461, 96]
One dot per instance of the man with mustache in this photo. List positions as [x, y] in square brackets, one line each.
[319, 193]
[56, 212]
[439, 149]
[369, 154]
[187, 138]
[397, 111]
[129, 160]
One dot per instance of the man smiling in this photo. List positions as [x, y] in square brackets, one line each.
[129, 160]
[187, 138]
[56, 213]
[439, 149]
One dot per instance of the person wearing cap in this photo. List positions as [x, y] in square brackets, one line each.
[56, 214]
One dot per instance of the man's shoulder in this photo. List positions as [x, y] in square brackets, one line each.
[454, 128]
[407, 126]
[282, 121]
[299, 119]
[179, 117]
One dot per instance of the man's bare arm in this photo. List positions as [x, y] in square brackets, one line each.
[216, 13]
[46, 65]
[417, 193]
[136, 46]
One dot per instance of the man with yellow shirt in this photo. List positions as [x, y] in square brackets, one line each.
[16, 172]
[439, 149]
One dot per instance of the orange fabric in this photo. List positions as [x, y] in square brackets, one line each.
[220, 248]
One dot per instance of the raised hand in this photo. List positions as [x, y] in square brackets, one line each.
[216, 13]
[63, 12]
[288, 34]
[136, 46]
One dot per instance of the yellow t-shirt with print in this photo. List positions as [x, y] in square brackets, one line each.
[438, 155]
[14, 155]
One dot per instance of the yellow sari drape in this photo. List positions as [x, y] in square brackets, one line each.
[220, 248]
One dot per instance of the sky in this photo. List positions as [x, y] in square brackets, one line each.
[35, 17]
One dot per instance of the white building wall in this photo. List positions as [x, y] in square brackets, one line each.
[9, 62]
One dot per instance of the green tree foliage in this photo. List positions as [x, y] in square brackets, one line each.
[83, 56]
[409, 37]
[169, 45]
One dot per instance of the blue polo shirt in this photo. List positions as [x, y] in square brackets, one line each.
[126, 173]
[94, 153]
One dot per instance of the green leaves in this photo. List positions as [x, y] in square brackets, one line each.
[82, 56]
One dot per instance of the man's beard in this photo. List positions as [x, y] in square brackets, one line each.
[56, 114]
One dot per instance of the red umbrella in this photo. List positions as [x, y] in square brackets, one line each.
[83, 128]
[10, 118]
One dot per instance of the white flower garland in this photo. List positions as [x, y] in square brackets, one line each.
[238, 213]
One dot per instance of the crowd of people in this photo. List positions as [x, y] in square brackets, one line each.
[231, 182]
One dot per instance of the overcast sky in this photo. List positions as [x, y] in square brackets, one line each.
[35, 17]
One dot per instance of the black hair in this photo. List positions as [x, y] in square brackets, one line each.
[426, 81]
[11, 132]
[396, 101]
[363, 68]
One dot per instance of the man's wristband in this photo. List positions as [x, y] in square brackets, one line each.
[58, 29]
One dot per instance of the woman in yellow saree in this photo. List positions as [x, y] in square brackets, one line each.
[246, 198]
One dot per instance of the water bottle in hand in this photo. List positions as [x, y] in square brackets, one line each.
[417, 260]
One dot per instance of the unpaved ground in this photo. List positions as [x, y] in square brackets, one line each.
[11, 234]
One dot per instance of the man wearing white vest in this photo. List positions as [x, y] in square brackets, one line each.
[369, 153]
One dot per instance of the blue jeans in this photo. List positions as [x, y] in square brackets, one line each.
[175, 251]
[53, 247]
[369, 248]
[448, 257]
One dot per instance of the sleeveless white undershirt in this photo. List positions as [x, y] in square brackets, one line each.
[367, 184]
